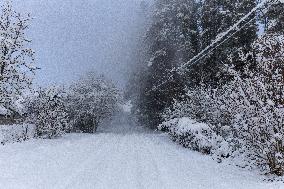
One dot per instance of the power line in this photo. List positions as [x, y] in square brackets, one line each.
[221, 36]
[218, 42]
[211, 50]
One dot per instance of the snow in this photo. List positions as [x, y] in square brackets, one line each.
[186, 124]
[16, 133]
[3, 111]
[117, 160]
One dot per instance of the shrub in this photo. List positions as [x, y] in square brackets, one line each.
[48, 112]
[196, 136]
[91, 100]
[247, 111]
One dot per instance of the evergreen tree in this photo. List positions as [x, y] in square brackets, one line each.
[274, 17]
[172, 39]
[241, 43]
[210, 24]
[218, 16]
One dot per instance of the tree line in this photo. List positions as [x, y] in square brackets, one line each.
[54, 110]
[237, 89]
[82, 107]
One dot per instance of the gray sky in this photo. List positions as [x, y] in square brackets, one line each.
[74, 36]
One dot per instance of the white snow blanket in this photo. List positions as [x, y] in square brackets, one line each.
[117, 161]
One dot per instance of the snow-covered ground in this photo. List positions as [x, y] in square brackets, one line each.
[117, 159]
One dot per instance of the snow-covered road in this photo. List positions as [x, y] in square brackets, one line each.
[134, 160]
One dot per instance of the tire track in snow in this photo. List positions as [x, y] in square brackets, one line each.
[112, 176]
[177, 169]
[95, 159]
[125, 164]
[84, 162]
[138, 165]
[157, 180]
[111, 170]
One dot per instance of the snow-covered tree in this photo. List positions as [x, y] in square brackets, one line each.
[236, 89]
[172, 38]
[261, 124]
[247, 112]
[47, 110]
[217, 16]
[16, 58]
[91, 100]
[274, 16]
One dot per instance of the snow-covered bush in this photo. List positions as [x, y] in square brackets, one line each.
[196, 136]
[260, 117]
[16, 59]
[247, 112]
[254, 101]
[91, 100]
[205, 105]
[202, 104]
[16, 133]
[48, 112]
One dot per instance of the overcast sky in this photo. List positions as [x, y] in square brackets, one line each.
[74, 36]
